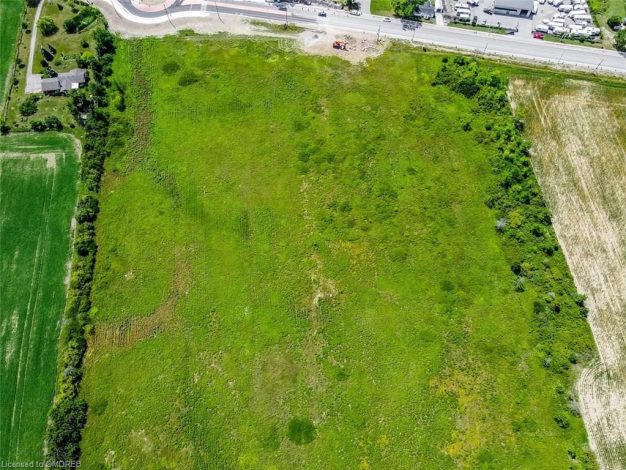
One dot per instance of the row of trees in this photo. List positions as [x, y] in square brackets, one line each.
[524, 222]
[69, 412]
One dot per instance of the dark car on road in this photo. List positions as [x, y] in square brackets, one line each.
[321, 13]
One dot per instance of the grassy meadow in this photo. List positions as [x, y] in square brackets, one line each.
[381, 7]
[10, 16]
[37, 196]
[297, 269]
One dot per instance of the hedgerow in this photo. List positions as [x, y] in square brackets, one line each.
[524, 221]
[69, 411]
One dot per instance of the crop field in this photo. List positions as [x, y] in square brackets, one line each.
[10, 15]
[37, 196]
[297, 269]
[579, 135]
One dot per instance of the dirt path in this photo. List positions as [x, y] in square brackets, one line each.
[579, 156]
[33, 81]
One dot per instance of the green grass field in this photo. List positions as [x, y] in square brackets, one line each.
[297, 269]
[10, 16]
[381, 7]
[37, 196]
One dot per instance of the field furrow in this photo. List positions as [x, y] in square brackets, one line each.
[37, 197]
[578, 135]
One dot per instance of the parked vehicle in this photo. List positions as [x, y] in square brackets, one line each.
[387, 20]
[542, 28]
[565, 8]
[322, 13]
[465, 17]
[538, 35]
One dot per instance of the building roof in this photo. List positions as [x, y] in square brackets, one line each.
[65, 81]
[50, 84]
[427, 9]
[514, 4]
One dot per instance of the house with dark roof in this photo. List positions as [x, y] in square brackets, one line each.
[64, 82]
[425, 11]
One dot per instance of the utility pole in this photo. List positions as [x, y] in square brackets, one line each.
[168, 16]
[598, 66]
[217, 10]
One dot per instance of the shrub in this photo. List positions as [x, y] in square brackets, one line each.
[67, 419]
[29, 105]
[47, 26]
[46, 54]
[53, 123]
[38, 126]
[87, 209]
[189, 77]
[32, 3]
[171, 68]
[300, 431]
[80, 21]
[561, 421]
[620, 40]
[614, 22]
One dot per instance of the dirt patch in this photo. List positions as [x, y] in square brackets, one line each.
[579, 157]
[135, 329]
[359, 46]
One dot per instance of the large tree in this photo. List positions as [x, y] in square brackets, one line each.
[406, 8]
[47, 26]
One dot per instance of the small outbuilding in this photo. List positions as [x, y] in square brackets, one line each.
[64, 82]
[513, 7]
[425, 11]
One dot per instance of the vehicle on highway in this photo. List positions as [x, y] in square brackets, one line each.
[537, 35]
[282, 7]
[355, 12]
[322, 13]
[387, 20]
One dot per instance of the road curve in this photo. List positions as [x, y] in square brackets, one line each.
[512, 47]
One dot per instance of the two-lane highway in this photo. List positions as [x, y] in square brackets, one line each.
[513, 47]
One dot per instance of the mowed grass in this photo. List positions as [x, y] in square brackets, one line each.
[297, 269]
[37, 196]
[381, 7]
[10, 22]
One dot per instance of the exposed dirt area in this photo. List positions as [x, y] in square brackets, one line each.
[579, 156]
[359, 46]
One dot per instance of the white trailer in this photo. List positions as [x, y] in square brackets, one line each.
[542, 28]
[565, 8]
[559, 31]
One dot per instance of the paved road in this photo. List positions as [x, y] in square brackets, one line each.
[514, 47]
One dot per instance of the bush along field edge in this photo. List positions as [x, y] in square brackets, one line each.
[530, 244]
[68, 415]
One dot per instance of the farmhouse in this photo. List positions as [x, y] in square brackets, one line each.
[64, 82]
[513, 7]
